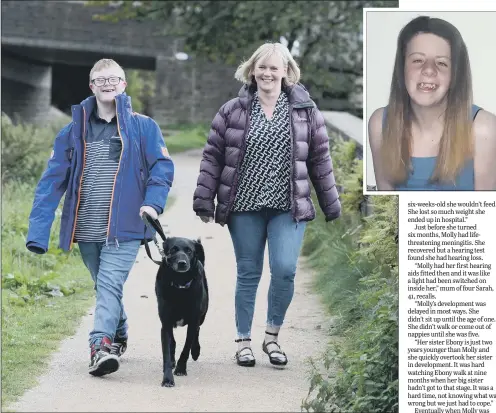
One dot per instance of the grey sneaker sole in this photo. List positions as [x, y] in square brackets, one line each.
[106, 365]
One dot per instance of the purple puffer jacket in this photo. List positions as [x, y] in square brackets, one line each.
[226, 146]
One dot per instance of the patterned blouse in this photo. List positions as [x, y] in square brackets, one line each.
[265, 175]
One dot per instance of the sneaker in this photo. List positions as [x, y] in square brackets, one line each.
[119, 346]
[102, 361]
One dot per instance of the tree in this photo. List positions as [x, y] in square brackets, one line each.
[324, 36]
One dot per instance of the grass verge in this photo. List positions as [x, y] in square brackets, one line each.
[31, 333]
[186, 137]
[43, 296]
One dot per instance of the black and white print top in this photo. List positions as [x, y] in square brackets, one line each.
[103, 150]
[265, 175]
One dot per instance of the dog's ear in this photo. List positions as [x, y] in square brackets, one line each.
[200, 252]
[165, 245]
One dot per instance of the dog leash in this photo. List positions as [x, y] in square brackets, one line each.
[154, 224]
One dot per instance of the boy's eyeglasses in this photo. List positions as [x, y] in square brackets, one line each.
[113, 80]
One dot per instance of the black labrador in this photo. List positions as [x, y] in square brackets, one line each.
[182, 295]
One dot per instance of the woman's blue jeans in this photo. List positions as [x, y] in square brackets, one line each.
[249, 232]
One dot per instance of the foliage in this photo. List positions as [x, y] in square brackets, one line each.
[26, 149]
[192, 137]
[141, 88]
[28, 277]
[324, 36]
[356, 261]
[348, 173]
[43, 296]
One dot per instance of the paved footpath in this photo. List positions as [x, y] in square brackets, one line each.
[215, 382]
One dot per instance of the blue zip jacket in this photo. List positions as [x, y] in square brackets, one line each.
[144, 177]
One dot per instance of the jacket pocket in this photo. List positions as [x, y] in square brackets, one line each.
[69, 153]
[115, 149]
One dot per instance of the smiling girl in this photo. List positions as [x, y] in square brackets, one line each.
[431, 136]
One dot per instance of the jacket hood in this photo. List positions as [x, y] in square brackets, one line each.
[297, 94]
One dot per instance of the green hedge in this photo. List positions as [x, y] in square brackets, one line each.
[356, 264]
[26, 149]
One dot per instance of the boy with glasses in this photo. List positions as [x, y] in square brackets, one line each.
[113, 165]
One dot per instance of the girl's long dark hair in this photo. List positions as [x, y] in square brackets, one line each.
[456, 145]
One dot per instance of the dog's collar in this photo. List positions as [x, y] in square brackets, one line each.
[185, 286]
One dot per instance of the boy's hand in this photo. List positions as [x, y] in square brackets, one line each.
[149, 210]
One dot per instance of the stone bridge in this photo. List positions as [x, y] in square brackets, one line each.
[49, 47]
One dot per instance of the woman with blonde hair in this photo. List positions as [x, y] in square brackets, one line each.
[262, 148]
[431, 136]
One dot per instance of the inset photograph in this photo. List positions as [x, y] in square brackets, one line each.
[429, 101]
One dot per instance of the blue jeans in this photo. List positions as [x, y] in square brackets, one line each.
[249, 233]
[109, 268]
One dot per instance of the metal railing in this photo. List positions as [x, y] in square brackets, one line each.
[347, 126]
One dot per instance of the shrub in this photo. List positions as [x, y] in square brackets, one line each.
[27, 277]
[356, 262]
[26, 149]
[141, 88]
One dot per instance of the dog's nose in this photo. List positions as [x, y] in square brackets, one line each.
[181, 264]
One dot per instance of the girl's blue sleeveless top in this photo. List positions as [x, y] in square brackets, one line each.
[423, 168]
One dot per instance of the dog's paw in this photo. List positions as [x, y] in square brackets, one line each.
[168, 382]
[180, 370]
[195, 352]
